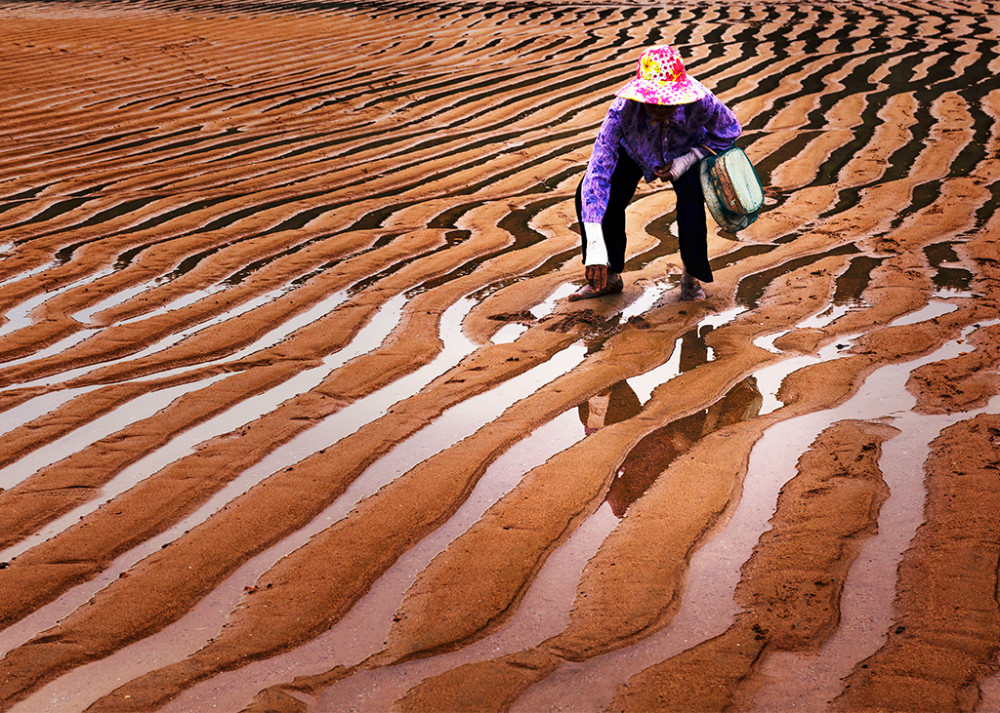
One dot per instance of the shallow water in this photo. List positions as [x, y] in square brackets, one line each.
[361, 633]
[707, 606]
[207, 617]
[142, 407]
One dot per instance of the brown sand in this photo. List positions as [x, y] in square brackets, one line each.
[293, 416]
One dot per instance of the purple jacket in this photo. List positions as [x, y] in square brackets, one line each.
[627, 127]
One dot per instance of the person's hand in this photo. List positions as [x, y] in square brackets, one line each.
[664, 173]
[597, 277]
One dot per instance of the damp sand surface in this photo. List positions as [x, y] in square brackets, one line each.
[295, 414]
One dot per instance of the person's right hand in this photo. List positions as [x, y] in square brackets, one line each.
[665, 173]
[597, 277]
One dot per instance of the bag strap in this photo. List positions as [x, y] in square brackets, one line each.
[716, 153]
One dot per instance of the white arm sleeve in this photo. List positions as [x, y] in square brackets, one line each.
[680, 165]
[597, 251]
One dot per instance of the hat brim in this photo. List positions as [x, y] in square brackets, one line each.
[663, 93]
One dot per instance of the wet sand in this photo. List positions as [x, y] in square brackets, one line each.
[295, 416]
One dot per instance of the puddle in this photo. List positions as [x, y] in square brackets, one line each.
[751, 288]
[508, 333]
[852, 283]
[689, 352]
[932, 310]
[643, 385]
[867, 601]
[770, 378]
[255, 266]
[291, 452]
[741, 253]
[38, 406]
[179, 303]
[950, 275]
[352, 417]
[364, 629]
[148, 404]
[767, 341]
[545, 608]
[164, 343]
[19, 316]
[656, 451]
[455, 424]
[85, 315]
[57, 348]
[608, 407]
[651, 295]
[545, 308]
[393, 308]
[553, 590]
[721, 318]
[955, 280]
[828, 316]
[355, 638]
[707, 606]
[29, 273]
[269, 339]
[137, 409]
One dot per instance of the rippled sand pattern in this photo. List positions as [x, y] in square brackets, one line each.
[294, 414]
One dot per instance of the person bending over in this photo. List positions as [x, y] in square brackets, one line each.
[658, 127]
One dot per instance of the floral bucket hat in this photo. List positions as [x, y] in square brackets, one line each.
[661, 79]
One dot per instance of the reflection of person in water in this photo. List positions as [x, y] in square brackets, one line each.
[656, 451]
[611, 406]
[694, 350]
[620, 402]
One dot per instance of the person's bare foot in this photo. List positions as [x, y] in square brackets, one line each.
[615, 286]
[691, 289]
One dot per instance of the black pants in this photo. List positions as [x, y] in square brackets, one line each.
[692, 226]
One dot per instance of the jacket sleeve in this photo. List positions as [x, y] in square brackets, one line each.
[721, 127]
[596, 188]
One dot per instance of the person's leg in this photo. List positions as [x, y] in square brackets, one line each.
[624, 181]
[692, 228]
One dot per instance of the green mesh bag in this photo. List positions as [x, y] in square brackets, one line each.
[733, 192]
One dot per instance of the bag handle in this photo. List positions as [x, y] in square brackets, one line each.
[716, 153]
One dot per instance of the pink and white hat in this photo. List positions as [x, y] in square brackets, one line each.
[661, 79]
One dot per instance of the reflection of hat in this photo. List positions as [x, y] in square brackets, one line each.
[661, 79]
